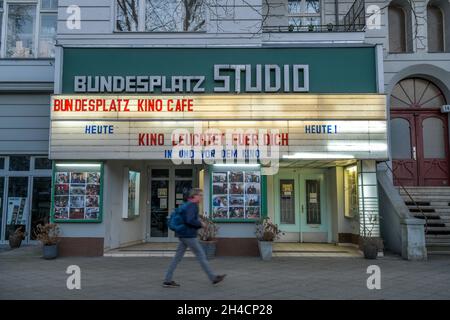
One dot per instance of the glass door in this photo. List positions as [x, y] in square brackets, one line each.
[301, 205]
[40, 204]
[183, 183]
[159, 203]
[168, 190]
[289, 203]
[313, 202]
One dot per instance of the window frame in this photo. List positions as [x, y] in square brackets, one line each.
[304, 14]
[444, 33]
[37, 25]
[141, 21]
[409, 39]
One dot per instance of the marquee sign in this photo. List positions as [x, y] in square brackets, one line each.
[245, 77]
[218, 126]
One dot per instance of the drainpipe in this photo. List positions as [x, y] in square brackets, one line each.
[336, 12]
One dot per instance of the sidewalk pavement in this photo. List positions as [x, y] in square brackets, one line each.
[25, 275]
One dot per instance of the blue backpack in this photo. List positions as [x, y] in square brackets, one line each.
[176, 222]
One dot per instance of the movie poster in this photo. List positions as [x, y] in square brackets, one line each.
[77, 196]
[236, 195]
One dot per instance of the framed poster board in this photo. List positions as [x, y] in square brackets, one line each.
[77, 192]
[236, 195]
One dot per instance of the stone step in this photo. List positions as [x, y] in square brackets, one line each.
[437, 232]
[435, 248]
[416, 197]
[442, 237]
[425, 192]
[430, 218]
[424, 189]
[427, 204]
[437, 241]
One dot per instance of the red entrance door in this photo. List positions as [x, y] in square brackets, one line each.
[419, 134]
[420, 148]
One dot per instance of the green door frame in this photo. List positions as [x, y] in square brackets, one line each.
[300, 226]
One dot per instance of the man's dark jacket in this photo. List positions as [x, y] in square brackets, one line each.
[189, 212]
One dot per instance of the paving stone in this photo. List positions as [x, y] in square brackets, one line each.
[25, 275]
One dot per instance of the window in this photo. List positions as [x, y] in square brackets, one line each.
[304, 13]
[287, 202]
[47, 31]
[435, 25]
[2, 163]
[160, 15]
[400, 36]
[1, 21]
[30, 28]
[42, 164]
[20, 31]
[19, 163]
[313, 202]
[350, 192]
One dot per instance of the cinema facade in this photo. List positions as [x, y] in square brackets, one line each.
[293, 134]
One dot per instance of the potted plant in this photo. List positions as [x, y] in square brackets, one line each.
[16, 235]
[266, 233]
[48, 235]
[207, 236]
[291, 28]
[311, 28]
[330, 27]
[370, 244]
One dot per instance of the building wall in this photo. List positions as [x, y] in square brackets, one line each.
[24, 123]
[228, 23]
[436, 66]
[118, 231]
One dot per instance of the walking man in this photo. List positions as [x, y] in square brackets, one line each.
[188, 239]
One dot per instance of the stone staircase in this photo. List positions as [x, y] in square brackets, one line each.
[434, 203]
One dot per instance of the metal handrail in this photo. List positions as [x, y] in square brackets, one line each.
[315, 28]
[355, 13]
[410, 197]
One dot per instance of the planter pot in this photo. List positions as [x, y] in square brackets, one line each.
[370, 251]
[265, 249]
[14, 241]
[50, 252]
[209, 247]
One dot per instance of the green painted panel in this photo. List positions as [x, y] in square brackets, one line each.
[332, 70]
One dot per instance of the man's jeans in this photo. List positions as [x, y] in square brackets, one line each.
[196, 248]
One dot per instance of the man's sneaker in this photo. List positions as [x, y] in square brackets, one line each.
[170, 284]
[218, 279]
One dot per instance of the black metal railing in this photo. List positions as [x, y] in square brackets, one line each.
[355, 19]
[313, 28]
[419, 209]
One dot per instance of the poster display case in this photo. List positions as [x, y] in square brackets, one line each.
[77, 192]
[236, 195]
[131, 194]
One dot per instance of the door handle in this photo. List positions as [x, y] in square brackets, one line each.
[414, 153]
[302, 208]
